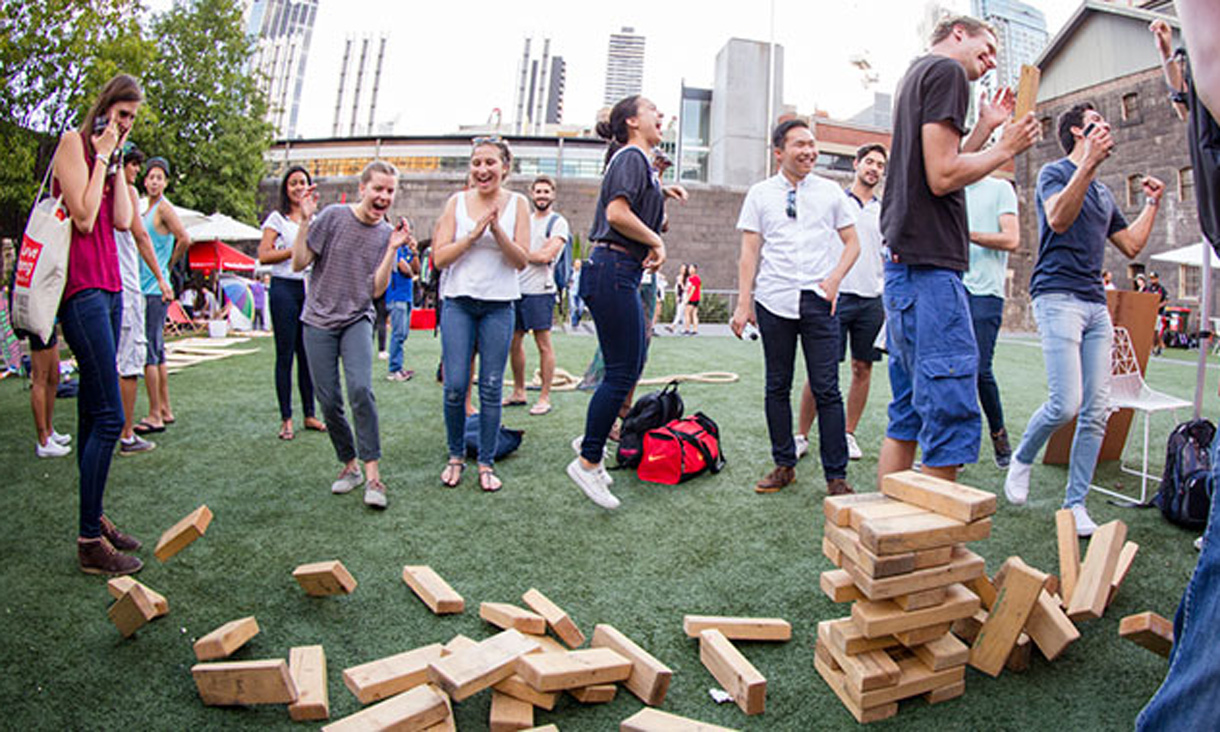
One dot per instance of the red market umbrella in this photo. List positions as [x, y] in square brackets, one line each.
[208, 256]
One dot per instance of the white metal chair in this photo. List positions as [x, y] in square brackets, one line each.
[1128, 391]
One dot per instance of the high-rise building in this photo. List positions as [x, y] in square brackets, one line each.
[624, 66]
[540, 89]
[283, 29]
[554, 94]
[694, 134]
[1021, 32]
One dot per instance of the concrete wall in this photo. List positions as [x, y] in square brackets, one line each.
[740, 129]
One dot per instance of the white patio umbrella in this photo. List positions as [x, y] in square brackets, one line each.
[220, 227]
[1199, 255]
[188, 216]
[1191, 255]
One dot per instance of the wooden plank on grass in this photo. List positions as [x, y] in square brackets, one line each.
[1069, 552]
[448, 724]
[1050, 628]
[941, 496]
[323, 579]
[1096, 573]
[416, 709]
[180, 535]
[739, 629]
[574, 669]
[119, 585]
[596, 694]
[385, 677]
[838, 508]
[654, 720]
[1125, 558]
[966, 565]
[1016, 595]
[1148, 630]
[733, 672]
[510, 714]
[505, 616]
[307, 666]
[885, 617]
[132, 610]
[848, 542]
[922, 531]
[556, 618]
[221, 643]
[230, 683]
[516, 687]
[649, 679]
[485, 664]
[435, 592]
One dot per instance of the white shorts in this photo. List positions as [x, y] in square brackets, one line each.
[133, 344]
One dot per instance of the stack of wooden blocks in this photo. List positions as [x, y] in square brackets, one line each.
[903, 565]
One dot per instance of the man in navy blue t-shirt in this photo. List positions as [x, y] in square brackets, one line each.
[1076, 214]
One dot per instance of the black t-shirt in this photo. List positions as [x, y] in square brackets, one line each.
[919, 226]
[1205, 158]
[629, 176]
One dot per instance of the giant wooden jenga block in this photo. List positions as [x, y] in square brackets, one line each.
[322, 579]
[180, 535]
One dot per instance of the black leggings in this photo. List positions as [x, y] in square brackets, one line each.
[287, 300]
[382, 315]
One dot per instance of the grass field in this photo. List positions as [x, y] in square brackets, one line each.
[708, 546]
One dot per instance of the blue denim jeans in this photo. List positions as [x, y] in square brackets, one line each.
[400, 328]
[609, 285]
[470, 326]
[1076, 342]
[987, 314]
[287, 299]
[1187, 699]
[91, 320]
[349, 347]
[818, 332]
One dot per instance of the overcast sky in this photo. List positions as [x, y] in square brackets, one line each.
[451, 63]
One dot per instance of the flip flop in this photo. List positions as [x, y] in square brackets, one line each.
[144, 428]
[453, 482]
[513, 403]
[488, 481]
[169, 420]
[286, 433]
[540, 409]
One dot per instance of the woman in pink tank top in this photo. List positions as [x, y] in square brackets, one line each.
[86, 171]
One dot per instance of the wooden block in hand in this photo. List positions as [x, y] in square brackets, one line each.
[132, 610]
[473, 669]
[119, 585]
[921, 531]
[430, 587]
[736, 675]
[221, 643]
[1097, 572]
[885, 617]
[941, 496]
[1050, 628]
[416, 709]
[747, 629]
[505, 616]
[1125, 558]
[516, 687]
[230, 683]
[391, 675]
[574, 669]
[556, 618]
[654, 720]
[839, 586]
[1069, 552]
[1016, 595]
[649, 679]
[180, 535]
[838, 508]
[1148, 630]
[1027, 90]
[307, 666]
[596, 694]
[322, 579]
[509, 714]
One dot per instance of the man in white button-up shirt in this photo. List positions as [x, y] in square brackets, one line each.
[798, 236]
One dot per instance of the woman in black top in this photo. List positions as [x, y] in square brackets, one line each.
[626, 240]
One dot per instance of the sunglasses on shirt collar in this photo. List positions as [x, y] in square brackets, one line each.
[792, 203]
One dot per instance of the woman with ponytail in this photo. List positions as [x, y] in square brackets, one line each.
[626, 240]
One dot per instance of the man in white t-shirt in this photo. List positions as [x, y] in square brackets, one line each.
[535, 310]
[798, 236]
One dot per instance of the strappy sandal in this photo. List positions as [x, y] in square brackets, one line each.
[286, 432]
[451, 476]
[488, 480]
[314, 424]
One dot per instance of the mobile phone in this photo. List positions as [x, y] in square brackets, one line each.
[1088, 130]
[100, 124]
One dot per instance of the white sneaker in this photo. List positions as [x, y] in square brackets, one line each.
[853, 449]
[374, 494]
[1084, 524]
[51, 449]
[576, 441]
[383, 355]
[591, 482]
[1199, 544]
[347, 481]
[1016, 485]
[802, 445]
[61, 439]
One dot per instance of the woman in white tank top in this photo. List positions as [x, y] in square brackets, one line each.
[481, 240]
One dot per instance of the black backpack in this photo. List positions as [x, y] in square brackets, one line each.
[649, 412]
[1185, 497]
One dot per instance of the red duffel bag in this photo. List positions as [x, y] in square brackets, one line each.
[681, 450]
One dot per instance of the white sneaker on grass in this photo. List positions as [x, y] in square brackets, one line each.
[576, 442]
[348, 480]
[802, 445]
[853, 449]
[593, 485]
[1084, 525]
[1016, 485]
[61, 439]
[51, 450]
[374, 494]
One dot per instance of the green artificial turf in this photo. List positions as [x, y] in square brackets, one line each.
[709, 546]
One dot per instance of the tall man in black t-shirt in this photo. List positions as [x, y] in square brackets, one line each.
[933, 355]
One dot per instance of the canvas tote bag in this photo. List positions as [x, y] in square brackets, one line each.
[42, 264]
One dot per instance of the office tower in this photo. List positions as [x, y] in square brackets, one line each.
[624, 66]
[540, 87]
[1021, 31]
[283, 29]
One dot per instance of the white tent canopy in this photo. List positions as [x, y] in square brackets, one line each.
[1191, 255]
[223, 228]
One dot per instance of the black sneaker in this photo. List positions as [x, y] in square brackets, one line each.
[1003, 451]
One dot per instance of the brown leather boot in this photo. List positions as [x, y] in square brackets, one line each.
[838, 487]
[118, 540]
[97, 556]
[772, 482]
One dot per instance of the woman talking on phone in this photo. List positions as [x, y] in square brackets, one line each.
[87, 173]
[626, 240]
